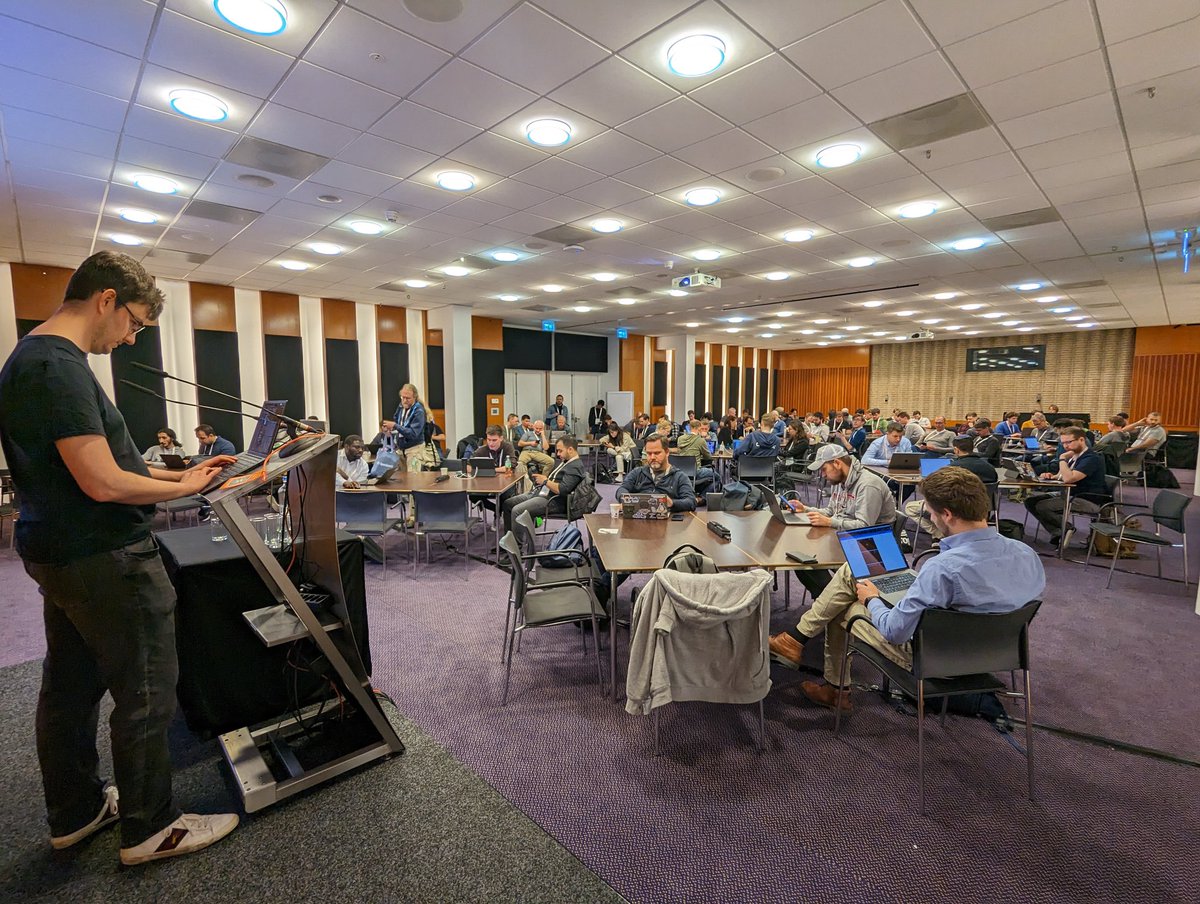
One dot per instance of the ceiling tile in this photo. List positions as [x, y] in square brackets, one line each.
[474, 18]
[532, 49]
[58, 132]
[660, 174]
[423, 128]
[674, 125]
[753, 91]
[1096, 112]
[610, 153]
[558, 175]
[770, 171]
[953, 20]
[33, 154]
[910, 85]
[729, 149]
[499, 155]
[608, 193]
[803, 123]
[470, 93]
[778, 22]
[179, 132]
[340, 175]
[346, 45]
[596, 20]
[333, 97]
[1071, 80]
[188, 46]
[1156, 54]
[121, 25]
[28, 91]
[613, 92]
[875, 39]
[383, 156]
[1073, 148]
[292, 128]
[144, 154]
[48, 53]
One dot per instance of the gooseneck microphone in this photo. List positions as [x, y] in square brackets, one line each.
[146, 389]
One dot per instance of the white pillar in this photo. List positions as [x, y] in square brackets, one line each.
[458, 370]
[8, 323]
[611, 380]
[414, 326]
[179, 358]
[312, 342]
[368, 366]
[683, 397]
[247, 309]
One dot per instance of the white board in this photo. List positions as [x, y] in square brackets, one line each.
[620, 406]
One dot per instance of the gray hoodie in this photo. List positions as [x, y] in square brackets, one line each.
[864, 500]
[700, 637]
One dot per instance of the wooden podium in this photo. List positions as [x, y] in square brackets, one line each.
[266, 759]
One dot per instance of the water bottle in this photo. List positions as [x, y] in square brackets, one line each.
[508, 462]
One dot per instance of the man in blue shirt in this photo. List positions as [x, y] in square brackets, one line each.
[1081, 469]
[410, 420]
[880, 452]
[760, 443]
[976, 570]
[556, 410]
[211, 444]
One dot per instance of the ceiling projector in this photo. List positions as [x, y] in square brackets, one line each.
[922, 334]
[696, 281]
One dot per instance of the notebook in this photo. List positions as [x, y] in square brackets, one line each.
[873, 554]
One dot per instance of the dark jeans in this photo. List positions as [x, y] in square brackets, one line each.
[526, 502]
[814, 580]
[110, 625]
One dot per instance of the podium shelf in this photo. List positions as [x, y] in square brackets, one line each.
[277, 625]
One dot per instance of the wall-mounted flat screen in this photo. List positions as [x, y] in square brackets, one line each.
[1006, 357]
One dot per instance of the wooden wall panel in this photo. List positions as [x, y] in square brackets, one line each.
[280, 314]
[37, 290]
[487, 333]
[391, 324]
[822, 389]
[812, 358]
[633, 370]
[699, 352]
[212, 307]
[339, 319]
[1169, 384]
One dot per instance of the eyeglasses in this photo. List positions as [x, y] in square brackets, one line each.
[136, 326]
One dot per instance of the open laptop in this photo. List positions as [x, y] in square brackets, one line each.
[929, 465]
[873, 554]
[384, 476]
[261, 444]
[905, 461]
[646, 506]
[1032, 444]
[483, 466]
[1026, 472]
[173, 462]
[777, 512]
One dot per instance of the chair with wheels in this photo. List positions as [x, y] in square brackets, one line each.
[954, 653]
[364, 514]
[529, 607]
[1168, 510]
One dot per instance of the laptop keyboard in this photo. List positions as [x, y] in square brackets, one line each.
[243, 464]
[894, 583]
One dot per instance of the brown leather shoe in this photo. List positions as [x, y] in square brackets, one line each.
[786, 650]
[826, 695]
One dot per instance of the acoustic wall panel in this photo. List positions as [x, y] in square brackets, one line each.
[217, 367]
[660, 383]
[735, 395]
[435, 392]
[284, 357]
[487, 365]
[698, 390]
[527, 349]
[393, 373]
[144, 415]
[763, 402]
[341, 387]
[586, 354]
[718, 376]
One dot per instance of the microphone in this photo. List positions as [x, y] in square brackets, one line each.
[292, 423]
[146, 389]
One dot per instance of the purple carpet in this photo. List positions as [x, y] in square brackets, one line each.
[813, 818]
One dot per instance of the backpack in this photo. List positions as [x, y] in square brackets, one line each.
[569, 541]
[584, 499]
[739, 496]
[467, 446]
[690, 560]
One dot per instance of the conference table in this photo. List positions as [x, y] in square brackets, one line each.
[635, 546]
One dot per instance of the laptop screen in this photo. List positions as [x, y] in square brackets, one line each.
[929, 465]
[1032, 444]
[266, 428]
[872, 551]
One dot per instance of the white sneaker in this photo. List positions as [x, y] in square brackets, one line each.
[191, 832]
[107, 816]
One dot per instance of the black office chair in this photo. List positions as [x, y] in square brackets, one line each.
[757, 470]
[1131, 468]
[954, 653]
[686, 464]
[1168, 510]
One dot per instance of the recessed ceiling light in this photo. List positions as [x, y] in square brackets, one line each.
[918, 209]
[860, 341]
[581, 309]
[952, 327]
[1066, 310]
[505, 257]
[417, 283]
[259, 17]
[133, 215]
[1076, 317]
[677, 293]
[838, 155]
[1026, 329]
[735, 319]
[696, 55]
[365, 227]
[198, 105]
[798, 235]
[973, 306]
[1084, 325]
[971, 333]
[1011, 322]
[899, 338]
[905, 313]
[766, 335]
[852, 329]
[734, 329]
[872, 304]
[808, 332]
[452, 180]
[822, 343]
[1048, 299]
[702, 197]
[325, 247]
[510, 297]
[691, 325]
[836, 336]
[548, 133]
[931, 321]
[160, 185]
[1027, 286]
[946, 296]
[784, 314]
[122, 239]
[552, 288]
[879, 333]
[968, 244]
[706, 254]
[604, 277]
[456, 270]
[776, 275]
[860, 261]
[607, 225]
[994, 315]
[293, 265]
[627, 301]
[823, 321]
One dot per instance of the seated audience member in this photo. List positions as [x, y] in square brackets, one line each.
[881, 450]
[964, 457]
[211, 444]
[937, 438]
[1150, 437]
[1040, 429]
[556, 410]
[726, 433]
[780, 424]
[841, 422]
[876, 423]
[987, 444]
[558, 484]
[620, 446]
[536, 454]
[912, 430]
[685, 425]
[512, 430]
[749, 425]
[558, 429]
[668, 429]
[1052, 410]
[760, 443]
[795, 441]
[818, 430]
[641, 427]
[503, 456]
[967, 424]
[352, 469]
[858, 499]
[977, 570]
[596, 416]
[1009, 426]
[1081, 469]
[923, 422]
[657, 476]
[167, 442]
[858, 439]
[693, 444]
[1114, 436]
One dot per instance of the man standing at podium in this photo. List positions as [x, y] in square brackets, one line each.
[84, 535]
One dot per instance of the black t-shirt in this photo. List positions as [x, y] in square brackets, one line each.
[1093, 486]
[976, 466]
[48, 393]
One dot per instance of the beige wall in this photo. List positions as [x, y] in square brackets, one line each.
[1085, 371]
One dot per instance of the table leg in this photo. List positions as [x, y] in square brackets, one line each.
[1066, 522]
[787, 588]
[612, 633]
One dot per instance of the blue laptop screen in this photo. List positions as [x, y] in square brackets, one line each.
[929, 465]
[1032, 444]
[872, 551]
